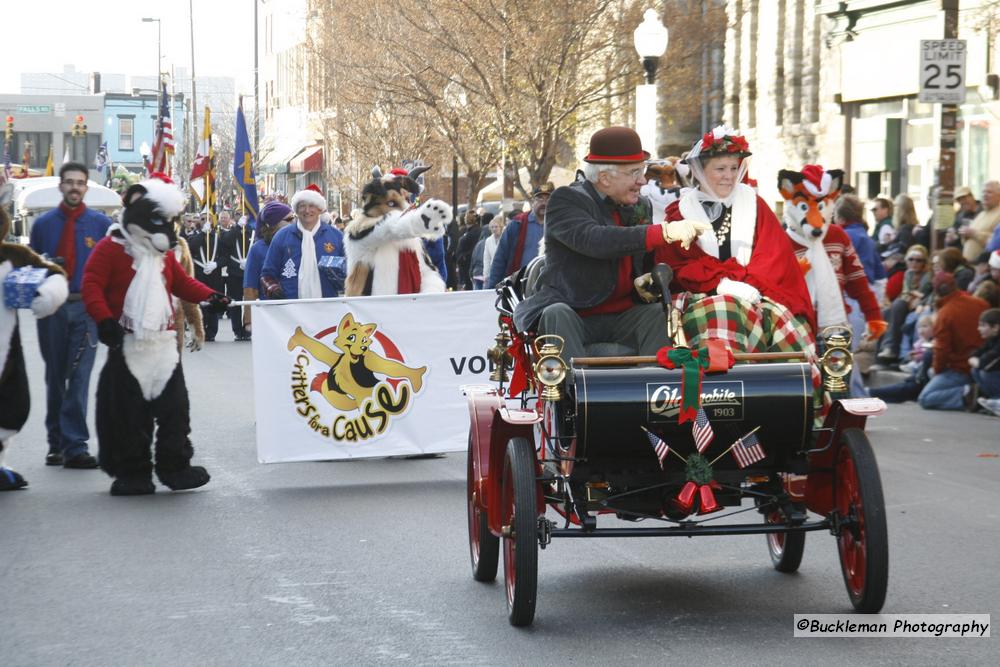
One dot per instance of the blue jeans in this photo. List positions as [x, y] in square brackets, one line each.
[68, 340]
[988, 381]
[944, 391]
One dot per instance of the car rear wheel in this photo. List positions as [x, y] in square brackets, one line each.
[484, 546]
[520, 540]
[863, 542]
[785, 548]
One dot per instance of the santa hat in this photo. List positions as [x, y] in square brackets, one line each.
[311, 195]
[817, 180]
[169, 198]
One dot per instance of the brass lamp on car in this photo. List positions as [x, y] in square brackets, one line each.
[550, 369]
[837, 359]
[499, 355]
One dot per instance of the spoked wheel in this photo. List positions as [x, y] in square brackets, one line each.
[520, 540]
[484, 546]
[785, 548]
[864, 542]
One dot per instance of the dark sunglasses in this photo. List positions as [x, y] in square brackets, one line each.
[916, 259]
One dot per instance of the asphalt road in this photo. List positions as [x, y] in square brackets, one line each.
[366, 562]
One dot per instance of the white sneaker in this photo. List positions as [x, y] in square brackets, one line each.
[991, 405]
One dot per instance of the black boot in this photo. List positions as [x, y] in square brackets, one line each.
[188, 478]
[132, 485]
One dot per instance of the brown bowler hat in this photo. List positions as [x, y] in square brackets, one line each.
[614, 145]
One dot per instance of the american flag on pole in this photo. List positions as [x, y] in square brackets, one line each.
[163, 144]
[747, 450]
[702, 431]
[661, 448]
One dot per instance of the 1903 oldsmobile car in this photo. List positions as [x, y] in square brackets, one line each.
[608, 442]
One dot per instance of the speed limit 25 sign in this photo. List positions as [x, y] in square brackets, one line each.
[942, 71]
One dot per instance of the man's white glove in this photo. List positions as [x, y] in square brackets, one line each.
[243, 264]
[684, 231]
[739, 289]
[52, 293]
[209, 267]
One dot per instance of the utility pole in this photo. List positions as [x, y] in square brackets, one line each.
[944, 211]
[194, 96]
[256, 84]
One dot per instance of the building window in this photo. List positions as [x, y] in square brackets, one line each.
[126, 134]
[82, 149]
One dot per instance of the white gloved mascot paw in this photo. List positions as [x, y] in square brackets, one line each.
[432, 218]
[52, 293]
[738, 289]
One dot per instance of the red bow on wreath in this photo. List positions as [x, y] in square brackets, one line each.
[714, 356]
[519, 376]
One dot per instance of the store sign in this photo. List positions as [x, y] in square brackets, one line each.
[942, 71]
[34, 108]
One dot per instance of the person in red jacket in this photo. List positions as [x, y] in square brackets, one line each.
[744, 281]
[956, 337]
[126, 289]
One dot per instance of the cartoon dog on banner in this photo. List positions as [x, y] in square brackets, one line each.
[382, 242]
[351, 380]
[49, 295]
[127, 288]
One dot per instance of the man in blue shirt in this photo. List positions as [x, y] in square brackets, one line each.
[293, 270]
[519, 243]
[68, 339]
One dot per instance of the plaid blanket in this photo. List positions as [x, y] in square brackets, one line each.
[764, 327]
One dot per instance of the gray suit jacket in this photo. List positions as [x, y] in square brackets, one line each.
[582, 249]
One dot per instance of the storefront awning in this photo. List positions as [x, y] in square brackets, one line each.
[275, 161]
[309, 159]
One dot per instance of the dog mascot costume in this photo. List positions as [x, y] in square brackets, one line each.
[127, 288]
[382, 242]
[828, 259]
[15, 401]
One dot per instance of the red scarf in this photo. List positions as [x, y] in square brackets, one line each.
[408, 280]
[67, 241]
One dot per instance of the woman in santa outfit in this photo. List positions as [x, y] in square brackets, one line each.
[742, 279]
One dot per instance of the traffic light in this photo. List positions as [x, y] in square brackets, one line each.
[79, 127]
[9, 130]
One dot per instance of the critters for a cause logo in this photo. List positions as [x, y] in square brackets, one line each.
[363, 402]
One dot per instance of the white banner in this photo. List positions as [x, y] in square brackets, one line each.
[373, 376]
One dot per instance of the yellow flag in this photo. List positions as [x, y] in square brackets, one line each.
[50, 169]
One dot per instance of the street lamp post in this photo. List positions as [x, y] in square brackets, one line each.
[159, 42]
[650, 38]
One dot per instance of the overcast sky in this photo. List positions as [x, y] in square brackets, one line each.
[109, 36]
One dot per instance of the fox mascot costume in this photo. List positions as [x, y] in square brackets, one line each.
[828, 259]
[127, 288]
[14, 397]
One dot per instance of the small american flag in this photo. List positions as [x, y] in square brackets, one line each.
[702, 431]
[747, 450]
[661, 448]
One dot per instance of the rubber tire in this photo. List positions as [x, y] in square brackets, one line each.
[858, 487]
[520, 512]
[785, 549]
[484, 546]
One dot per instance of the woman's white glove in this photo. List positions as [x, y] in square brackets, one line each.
[52, 293]
[739, 289]
[209, 267]
[684, 231]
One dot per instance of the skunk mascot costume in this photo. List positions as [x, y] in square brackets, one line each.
[14, 397]
[126, 288]
[383, 240]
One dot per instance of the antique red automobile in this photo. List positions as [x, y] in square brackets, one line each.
[563, 457]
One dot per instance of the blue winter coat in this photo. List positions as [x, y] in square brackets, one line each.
[867, 251]
[508, 244]
[46, 231]
[285, 254]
